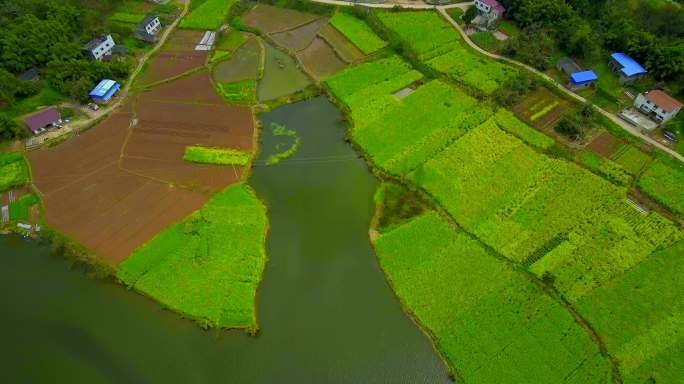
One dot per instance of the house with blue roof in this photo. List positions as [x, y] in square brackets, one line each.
[582, 79]
[104, 91]
[579, 79]
[626, 67]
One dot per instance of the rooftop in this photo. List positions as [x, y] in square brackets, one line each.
[103, 88]
[629, 66]
[41, 119]
[663, 100]
[94, 43]
[147, 20]
[583, 77]
[494, 4]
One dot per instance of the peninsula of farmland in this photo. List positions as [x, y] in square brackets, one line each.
[311, 191]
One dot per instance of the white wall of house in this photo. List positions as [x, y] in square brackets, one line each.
[654, 110]
[104, 49]
[486, 10]
[153, 27]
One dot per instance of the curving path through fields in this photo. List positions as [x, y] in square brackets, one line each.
[443, 11]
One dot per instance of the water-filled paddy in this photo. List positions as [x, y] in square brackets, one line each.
[281, 75]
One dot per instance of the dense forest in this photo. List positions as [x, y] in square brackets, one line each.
[651, 31]
[49, 35]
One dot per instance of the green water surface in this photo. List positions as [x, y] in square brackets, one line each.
[281, 75]
[325, 311]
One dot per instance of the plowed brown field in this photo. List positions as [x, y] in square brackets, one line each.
[176, 57]
[117, 185]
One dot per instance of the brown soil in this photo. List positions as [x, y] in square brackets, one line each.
[344, 48]
[299, 38]
[270, 19]
[534, 103]
[120, 183]
[196, 89]
[320, 59]
[176, 57]
[605, 144]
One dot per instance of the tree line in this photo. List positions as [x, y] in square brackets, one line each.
[650, 31]
[49, 35]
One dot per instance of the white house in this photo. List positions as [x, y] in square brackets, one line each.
[658, 105]
[148, 29]
[491, 10]
[99, 47]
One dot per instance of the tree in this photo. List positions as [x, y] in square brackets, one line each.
[532, 46]
[469, 15]
[570, 126]
[9, 129]
[515, 88]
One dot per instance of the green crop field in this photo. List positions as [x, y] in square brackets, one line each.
[241, 92]
[419, 126]
[606, 168]
[13, 170]
[511, 124]
[209, 15]
[358, 32]
[640, 317]
[489, 321]
[665, 184]
[515, 199]
[220, 156]
[367, 89]
[19, 209]
[631, 159]
[208, 266]
[130, 18]
[436, 43]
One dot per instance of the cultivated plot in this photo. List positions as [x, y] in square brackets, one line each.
[297, 39]
[488, 320]
[177, 56]
[541, 109]
[340, 44]
[320, 59]
[270, 19]
[89, 199]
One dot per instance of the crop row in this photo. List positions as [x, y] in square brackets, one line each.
[13, 170]
[436, 43]
[489, 321]
[357, 31]
[209, 15]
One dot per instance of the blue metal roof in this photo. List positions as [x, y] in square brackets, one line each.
[629, 66]
[103, 88]
[583, 77]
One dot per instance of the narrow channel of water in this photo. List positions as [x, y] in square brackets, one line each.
[325, 311]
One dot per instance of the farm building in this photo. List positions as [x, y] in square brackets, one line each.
[658, 105]
[30, 75]
[490, 10]
[628, 69]
[583, 79]
[148, 29]
[38, 122]
[568, 66]
[104, 91]
[99, 47]
[579, 79]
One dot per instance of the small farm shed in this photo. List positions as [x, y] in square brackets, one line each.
[658, 105]
[148, 29]
[30, 75]
[104, 91]
[583, 79]
[490, 10]
[567, 66]
[99, 47]
[626, 67]
[38, 122]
